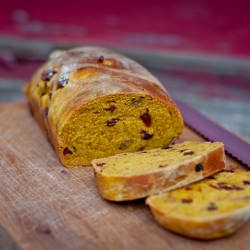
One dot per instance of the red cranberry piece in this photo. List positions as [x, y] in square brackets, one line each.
[211, 178]
[146, 118]
[61, 82]
[146, 135]
[111, 108]
[225, 186]
[188, 153]
[187, 201]
[67, 151]
[212, 207]
[246, 182]
[111, 122]
[47, 75]
[101, 59]
[100, 164]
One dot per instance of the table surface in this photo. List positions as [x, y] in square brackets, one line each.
[46, 206]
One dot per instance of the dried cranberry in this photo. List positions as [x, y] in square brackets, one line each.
[62, 81]
[111, 122]
[246, 182]
[225, 186]
[232, 187]
[100, 164]
[146, 135]
[188, 188]
[47, 75]
[211, 178]
[212, 207]
[188, 200]
[101, 59]
[199, 167]
[111, 108]
[146, 118]
[67, 151]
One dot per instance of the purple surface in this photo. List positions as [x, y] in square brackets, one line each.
[234, 145]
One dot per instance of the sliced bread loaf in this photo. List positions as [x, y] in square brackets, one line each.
[212, 208]
[130, 176]
[93, 103]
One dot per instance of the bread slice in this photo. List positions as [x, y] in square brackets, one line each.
[212, 208]
[130, 176]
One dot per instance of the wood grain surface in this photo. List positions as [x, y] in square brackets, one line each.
[46, 206]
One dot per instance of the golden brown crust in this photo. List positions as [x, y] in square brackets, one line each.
[118, 188]
[90, 72]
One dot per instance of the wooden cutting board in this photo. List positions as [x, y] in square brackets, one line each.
[46, 206]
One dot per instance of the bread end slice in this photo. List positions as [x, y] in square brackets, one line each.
[210, 209]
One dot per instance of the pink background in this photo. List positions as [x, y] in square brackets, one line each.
[211, 26]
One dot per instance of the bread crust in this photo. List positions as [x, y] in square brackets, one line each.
[203, 228]
[112, 74]
[123, 188]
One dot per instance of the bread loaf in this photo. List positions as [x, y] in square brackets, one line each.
[93, 102]
[209, 209]
[130, 176]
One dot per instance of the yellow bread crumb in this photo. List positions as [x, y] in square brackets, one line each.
[212, 208]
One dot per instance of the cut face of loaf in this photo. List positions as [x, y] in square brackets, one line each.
[131, 176]
[212, 208]
[94, 103]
